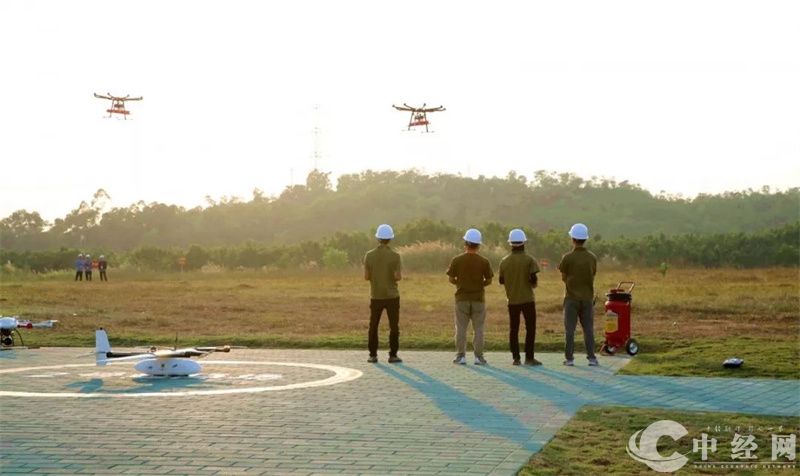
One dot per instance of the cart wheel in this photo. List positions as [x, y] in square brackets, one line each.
[610, 349]
[632, 347]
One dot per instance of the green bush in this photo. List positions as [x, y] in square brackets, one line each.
[154, 259]
[334, 259]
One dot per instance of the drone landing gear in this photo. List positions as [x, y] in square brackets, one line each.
[7, 338]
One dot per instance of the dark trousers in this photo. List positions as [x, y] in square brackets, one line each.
[528, 311]
[78, 275]
[88, 275]
[103, 276]
[376, 307]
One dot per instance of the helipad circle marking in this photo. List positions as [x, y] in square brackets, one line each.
[341, 375]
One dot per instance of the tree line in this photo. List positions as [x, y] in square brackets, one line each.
[318, 210]
[428, 245]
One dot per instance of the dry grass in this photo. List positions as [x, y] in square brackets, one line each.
[316, 308]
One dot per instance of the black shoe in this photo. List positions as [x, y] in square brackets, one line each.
[532, 362]
[373, 359]
[516, 362]
[393, 359]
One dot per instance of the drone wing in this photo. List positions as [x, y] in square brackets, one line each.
[134, 99]
[224, 348]
[406, 108]
[100, 96]
[178, 353]
[126, 356]
[158, 354]
[433, 109]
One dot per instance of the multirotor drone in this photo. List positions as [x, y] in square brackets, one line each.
[118, 104]
[419, 115]
[10, 325]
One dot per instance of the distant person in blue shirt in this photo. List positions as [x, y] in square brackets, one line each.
[79, 268]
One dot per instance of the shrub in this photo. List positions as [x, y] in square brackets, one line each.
[334, 258]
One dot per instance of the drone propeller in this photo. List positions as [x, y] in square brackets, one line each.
[422, 108]
[118, 98]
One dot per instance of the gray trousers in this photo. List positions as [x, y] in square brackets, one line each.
[467, 311]
[575, 310]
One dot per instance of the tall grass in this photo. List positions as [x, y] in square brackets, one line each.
[436, 255]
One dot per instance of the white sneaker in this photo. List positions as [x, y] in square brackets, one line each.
[594, 363]
[479, 360]
[460, 359]
[569, 362]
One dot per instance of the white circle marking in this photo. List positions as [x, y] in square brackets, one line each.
[341, 375]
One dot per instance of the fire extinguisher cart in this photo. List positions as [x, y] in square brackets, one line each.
[618, 320]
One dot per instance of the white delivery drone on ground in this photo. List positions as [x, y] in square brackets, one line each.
[9, 325]
[154, 363]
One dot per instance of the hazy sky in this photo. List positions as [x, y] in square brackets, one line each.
[682, 96]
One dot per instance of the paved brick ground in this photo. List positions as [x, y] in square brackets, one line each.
[426, 416]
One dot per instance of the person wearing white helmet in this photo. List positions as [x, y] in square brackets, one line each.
[518, 275]
[102, 266]
[87, 267]
[383, 269]
[471, 273]
[79, 267]
[578, 269]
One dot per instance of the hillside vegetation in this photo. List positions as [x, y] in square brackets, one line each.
[317, 210]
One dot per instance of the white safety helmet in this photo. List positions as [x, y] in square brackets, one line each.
[88, 256]
[473, 236]
[102, 257]
[517, 236]
[384, 232]
[579, 231]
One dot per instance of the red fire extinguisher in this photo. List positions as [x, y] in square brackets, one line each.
[618, 320]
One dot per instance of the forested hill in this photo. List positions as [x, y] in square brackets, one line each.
[359, 202]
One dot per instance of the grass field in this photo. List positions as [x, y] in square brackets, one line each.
[686, 322]
[594, 441]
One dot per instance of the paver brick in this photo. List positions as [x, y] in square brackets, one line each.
[425, 416]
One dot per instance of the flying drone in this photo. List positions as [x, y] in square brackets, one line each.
[118, 104]
[154, 363]
[9, 325]
[419, 115]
